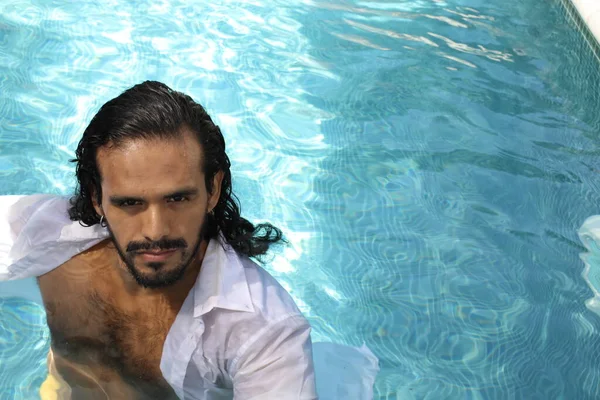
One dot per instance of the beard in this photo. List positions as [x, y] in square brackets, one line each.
[160, 278]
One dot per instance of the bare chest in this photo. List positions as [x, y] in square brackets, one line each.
[105, 337]
[92, 330]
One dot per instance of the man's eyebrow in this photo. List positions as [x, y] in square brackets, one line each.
[180, 192]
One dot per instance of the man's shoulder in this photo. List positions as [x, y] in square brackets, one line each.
[93, 259]
[80, 273]
[270, 298]
[273, 309]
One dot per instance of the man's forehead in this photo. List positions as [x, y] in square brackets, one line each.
[139, 162]
[185, 141]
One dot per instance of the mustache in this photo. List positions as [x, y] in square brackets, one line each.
[162, 244]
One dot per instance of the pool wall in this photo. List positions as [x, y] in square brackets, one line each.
[589, 10]
[586, 14]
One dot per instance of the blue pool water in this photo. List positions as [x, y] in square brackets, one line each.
[430, 162]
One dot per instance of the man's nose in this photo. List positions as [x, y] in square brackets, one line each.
[156, 225]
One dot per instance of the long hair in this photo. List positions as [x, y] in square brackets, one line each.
[153, 110]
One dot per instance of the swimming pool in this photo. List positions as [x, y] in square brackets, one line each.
[430, 162]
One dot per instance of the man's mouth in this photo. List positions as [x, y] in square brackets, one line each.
[156, 255]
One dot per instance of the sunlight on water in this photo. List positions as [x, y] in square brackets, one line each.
[429, 162]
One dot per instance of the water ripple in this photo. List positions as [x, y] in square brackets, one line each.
[423, 158]
[24, 344]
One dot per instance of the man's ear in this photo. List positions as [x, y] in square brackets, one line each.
[213, 197]
[95, 203]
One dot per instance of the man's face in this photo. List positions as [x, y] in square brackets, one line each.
[155, 202]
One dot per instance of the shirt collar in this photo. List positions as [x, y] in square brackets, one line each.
[221, 282]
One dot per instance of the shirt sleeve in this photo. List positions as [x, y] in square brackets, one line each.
[37, 235]
[276, 363]
[15, 212]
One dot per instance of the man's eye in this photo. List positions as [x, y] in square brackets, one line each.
[128, 203]
[177, 199]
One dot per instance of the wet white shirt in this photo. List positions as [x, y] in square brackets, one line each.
[238, 334]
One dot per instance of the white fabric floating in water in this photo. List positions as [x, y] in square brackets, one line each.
[37, 227]
[344, 372]
[589, 234]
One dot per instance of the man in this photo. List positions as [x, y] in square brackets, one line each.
[147, 283]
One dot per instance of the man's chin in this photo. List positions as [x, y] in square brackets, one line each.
[156, 276]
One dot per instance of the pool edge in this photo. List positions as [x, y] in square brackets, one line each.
[586, 16]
